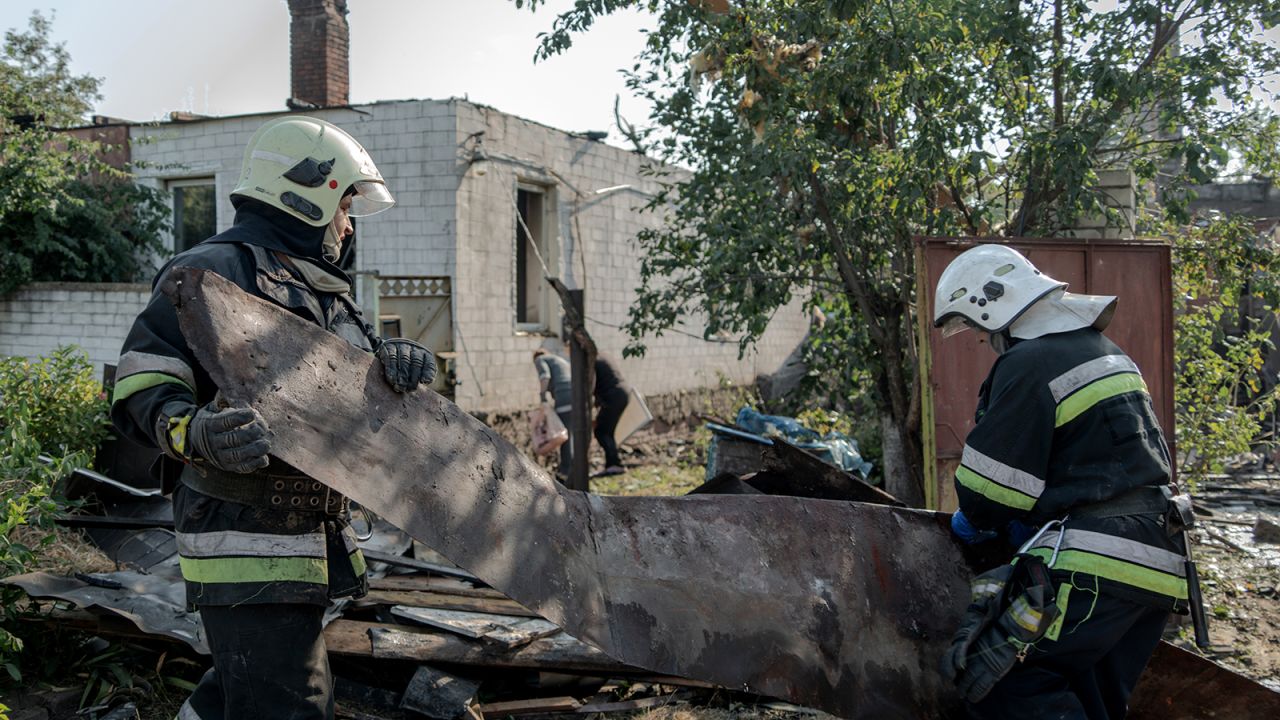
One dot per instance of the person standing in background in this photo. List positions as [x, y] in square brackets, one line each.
[555, 383]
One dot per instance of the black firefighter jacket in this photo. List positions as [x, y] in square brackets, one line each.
[233, 553]
[1066, 421]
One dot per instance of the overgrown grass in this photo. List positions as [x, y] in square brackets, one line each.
[650, 480]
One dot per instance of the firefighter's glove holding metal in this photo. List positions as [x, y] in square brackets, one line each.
[231, 439]
[406, 364]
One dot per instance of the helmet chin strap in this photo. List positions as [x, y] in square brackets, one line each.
[1000, 341]
[331, 249]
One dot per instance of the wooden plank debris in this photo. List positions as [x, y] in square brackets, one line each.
[401, 642]
[429, 583]
[625, 705]
[503, 630]
[534, 706]
[445, 602]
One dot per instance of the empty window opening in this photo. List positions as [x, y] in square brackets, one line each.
[195, 212]
[530, 293]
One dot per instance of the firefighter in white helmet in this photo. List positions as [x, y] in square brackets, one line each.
[263, 547]
[1068, 461]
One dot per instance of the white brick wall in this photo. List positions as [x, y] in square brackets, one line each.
[95, 316]
[448, 221]
[494, 360]
[411, 145]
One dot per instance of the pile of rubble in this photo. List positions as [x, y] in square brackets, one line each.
[428, 640]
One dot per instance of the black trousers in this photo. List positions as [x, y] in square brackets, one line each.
[269, 663]
[611, 407]
[1089, 672]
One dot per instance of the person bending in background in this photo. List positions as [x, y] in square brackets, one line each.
[611, 397]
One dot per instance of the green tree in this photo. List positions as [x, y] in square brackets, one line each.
[1227, 292]
[64, 213]
[822, 136]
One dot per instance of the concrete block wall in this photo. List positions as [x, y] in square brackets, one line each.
[95, 316]
[494, 358]
[449, 220]
[411, 142]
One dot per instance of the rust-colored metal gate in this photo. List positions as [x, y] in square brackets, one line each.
[951, 371]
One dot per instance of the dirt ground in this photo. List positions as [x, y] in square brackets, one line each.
[1240, 572]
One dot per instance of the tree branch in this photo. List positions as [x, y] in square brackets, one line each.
[854, 285]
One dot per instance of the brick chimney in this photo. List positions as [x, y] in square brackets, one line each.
[318, 40]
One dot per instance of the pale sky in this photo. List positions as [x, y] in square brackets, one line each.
[228, 57]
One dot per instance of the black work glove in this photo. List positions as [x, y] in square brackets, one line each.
[1022, 601]
[986, 595]
[234, 439]
[406, 364]
[989, 659]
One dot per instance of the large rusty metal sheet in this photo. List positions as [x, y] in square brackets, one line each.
[835, 605]
[1181, 685]
[841, 606]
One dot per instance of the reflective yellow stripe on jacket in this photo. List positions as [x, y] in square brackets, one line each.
[998, 482]
[1117, 559]
[1085, 385]
[232, 556]
[138, 371]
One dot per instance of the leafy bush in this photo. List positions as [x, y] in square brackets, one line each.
[66, 214]
[55, 407]
[1226, 295]
[108, 230]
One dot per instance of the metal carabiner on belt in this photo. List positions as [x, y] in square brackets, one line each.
[1057, 545]
[368, 520]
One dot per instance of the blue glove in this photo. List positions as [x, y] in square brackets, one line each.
[968, 534]
[1019, 533]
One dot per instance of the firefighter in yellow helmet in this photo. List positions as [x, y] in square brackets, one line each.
[263, 547]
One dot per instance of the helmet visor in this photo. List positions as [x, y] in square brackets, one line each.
[954, 325]
[371, 198]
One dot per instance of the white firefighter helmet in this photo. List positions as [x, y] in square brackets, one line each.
[304, 165]
[995, 288]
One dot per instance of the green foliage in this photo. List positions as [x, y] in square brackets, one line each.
[53, 407]
[64, 213]
[1226, 285]
[822, 136]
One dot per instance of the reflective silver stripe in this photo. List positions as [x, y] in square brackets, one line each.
[132, 363]
[186, 712]
[998, 472]
[273, 157]
[988, 588]
[1119, 548]
[1026, 616]
[1083, 374]
[985, 590]
[235, 543]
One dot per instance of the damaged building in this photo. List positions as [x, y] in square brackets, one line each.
[449, 265]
